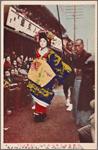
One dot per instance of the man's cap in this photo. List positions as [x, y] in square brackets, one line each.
[22, 71]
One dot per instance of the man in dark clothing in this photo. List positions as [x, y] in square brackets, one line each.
[69, 58]
[82, 54]
[10, 90]
[82, 91]
[12, 73]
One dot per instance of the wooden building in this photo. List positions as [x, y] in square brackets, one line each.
[21, 22]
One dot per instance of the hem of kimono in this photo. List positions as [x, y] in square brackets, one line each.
[40, 102]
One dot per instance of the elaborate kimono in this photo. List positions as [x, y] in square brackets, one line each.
[46, 66]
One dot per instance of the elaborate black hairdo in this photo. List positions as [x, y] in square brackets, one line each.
[44, 35]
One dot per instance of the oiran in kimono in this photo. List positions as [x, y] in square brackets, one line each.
[46, 66]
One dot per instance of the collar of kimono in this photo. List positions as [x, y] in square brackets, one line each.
[43, 51]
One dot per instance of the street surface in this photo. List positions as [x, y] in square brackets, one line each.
[58, 127]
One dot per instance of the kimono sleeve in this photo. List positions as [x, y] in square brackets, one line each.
[60, 68]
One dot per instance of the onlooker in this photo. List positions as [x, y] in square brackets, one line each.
[23, 12]
[11, 91]
[7, 79]
[26, 13]
[69, 58]
[25, 62]
[7, 84]
[30, 59]
[13, 56]
[87, 133]
[27, 67]
[23, 74]
[7, 63]
[16, 73]
[19, 64]
[25, 97]
[82, 91]
[92, 121]
[15, 90]
[12, 73]
[14, 64]
[17, 79]
[30, 16]
[22, 58]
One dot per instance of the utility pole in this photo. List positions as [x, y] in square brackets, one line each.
[75, 13]
[60, 26]
[74, 25]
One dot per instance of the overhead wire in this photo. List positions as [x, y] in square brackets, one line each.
[79, 13]
[63, 11]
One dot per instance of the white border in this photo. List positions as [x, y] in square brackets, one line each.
[87, 145]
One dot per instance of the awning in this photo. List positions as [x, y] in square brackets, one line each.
[28, 37]
[20, 33]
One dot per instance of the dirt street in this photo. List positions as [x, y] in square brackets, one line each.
[59, 125]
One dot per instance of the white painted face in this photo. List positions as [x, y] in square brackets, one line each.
[43, 43]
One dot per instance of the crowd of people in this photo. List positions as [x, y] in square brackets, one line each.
[28, 14]
[24, 11]
[17, 62]
[76, 73]
[15, 81]
[82, 82]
